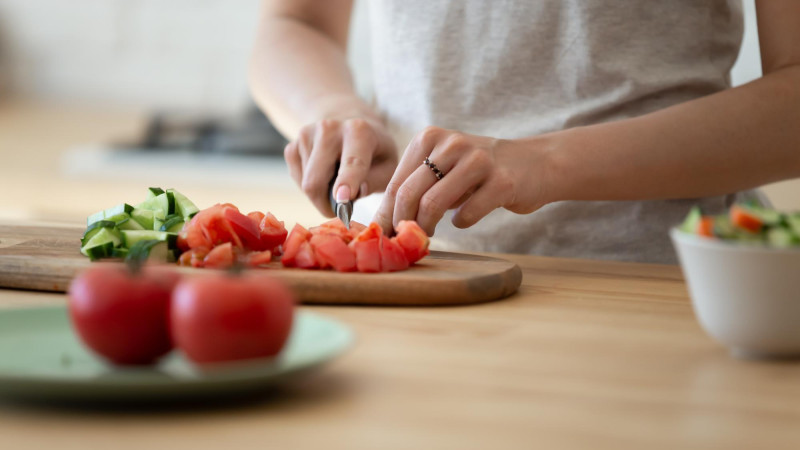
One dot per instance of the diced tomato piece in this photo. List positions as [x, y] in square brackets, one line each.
[333, 227]
[706, 226]
[413, 240]
[256, 216]
[183, 245]
[368, 254]
[392, 256]
[244, 228]
[743, 218]
[255, 259]
[273, 232]
[193, 257]
[220, 257]
[331, 251]
[215, 228]
[292, 245]
[305, 258]
[193, 235]
[356, 228]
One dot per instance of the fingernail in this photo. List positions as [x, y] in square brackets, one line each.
[343, 194]
[363, 190]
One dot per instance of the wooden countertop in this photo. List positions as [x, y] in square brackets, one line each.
[587, 355]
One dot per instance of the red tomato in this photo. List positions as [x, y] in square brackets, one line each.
[356, 228]
[273, 233]
[706, 226]
[367, 247]
[305, 258]
[333, 227]
[220, 257]
[121, 316]
[218, 318]
[255, 259]
[413, 240]
[392, 256]
[331, 251]
[244, 228]
[193, 257]
[292, 245]
[743, 218]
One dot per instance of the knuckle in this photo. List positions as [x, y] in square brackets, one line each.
[354, 162]
[309, 186]
[328, 125]
[392, 188]
[457, 141]
[428, 134]
[357, 125]
[431, 205]
[290, 151]
[404, 193]
[480, 159]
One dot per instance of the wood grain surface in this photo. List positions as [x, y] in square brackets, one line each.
[587, 355]
[46, 258]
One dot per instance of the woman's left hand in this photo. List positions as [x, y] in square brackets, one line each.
[480, 174]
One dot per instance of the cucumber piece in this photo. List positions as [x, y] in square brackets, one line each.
[110, 212]
[793, 222]
[183, 206]
[163, 203]
[173, 224]
[781, 237]
[153, 192]
[130, 224]
[104, 237]
[151, 250]
[94, 228]
[143, 217]
[131, 237]
[723, 228]
[99, 251]
[119, 252]
[689, 224]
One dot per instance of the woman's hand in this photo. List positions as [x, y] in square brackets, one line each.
[367, 153]
[481, 174]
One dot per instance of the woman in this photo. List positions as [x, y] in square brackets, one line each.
[578, 128]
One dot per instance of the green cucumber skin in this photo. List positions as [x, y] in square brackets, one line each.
[110, 212]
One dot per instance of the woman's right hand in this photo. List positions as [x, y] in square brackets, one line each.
[366, 152]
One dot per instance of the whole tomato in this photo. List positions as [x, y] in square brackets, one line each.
[123, 316]
[224, 317]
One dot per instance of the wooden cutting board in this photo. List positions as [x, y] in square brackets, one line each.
[47, 258]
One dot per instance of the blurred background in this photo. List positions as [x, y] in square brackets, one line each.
[102, 98]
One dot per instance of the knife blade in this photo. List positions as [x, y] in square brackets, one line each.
[343, 210]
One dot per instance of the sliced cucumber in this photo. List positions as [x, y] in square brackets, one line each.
[103, 237]
[173, 224]
[94, 228]
[119, 252]
[153, 192]
[110, 212]
[689, 225]
[781, 237]
[793, 222]
[131, 237]
[143, 217]
[183, 206]
[99, 251]
[151, 250]
[163, 203]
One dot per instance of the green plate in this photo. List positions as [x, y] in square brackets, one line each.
[42, 359]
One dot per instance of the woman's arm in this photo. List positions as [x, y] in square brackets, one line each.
[733, 140]
[300, 79]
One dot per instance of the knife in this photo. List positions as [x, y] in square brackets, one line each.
[343, 210]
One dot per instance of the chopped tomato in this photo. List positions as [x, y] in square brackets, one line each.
[392, 256]
[273, 232]
[292, 245]
[331, 251]
[244, 228]
[743, 218]
[366, 246]
[356, 228]
[256, 216]
[413, 240]
[255, 259]
[305, 258]
[220, 257]
[333, 227]
[706, 226]
[193, 257]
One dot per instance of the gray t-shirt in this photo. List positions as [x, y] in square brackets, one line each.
[510, 69]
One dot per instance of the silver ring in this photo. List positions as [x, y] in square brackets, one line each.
[439, 174]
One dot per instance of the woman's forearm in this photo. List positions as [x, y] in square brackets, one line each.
[736, 139]
[299, 75]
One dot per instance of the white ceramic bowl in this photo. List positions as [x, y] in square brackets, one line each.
[745, 296]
